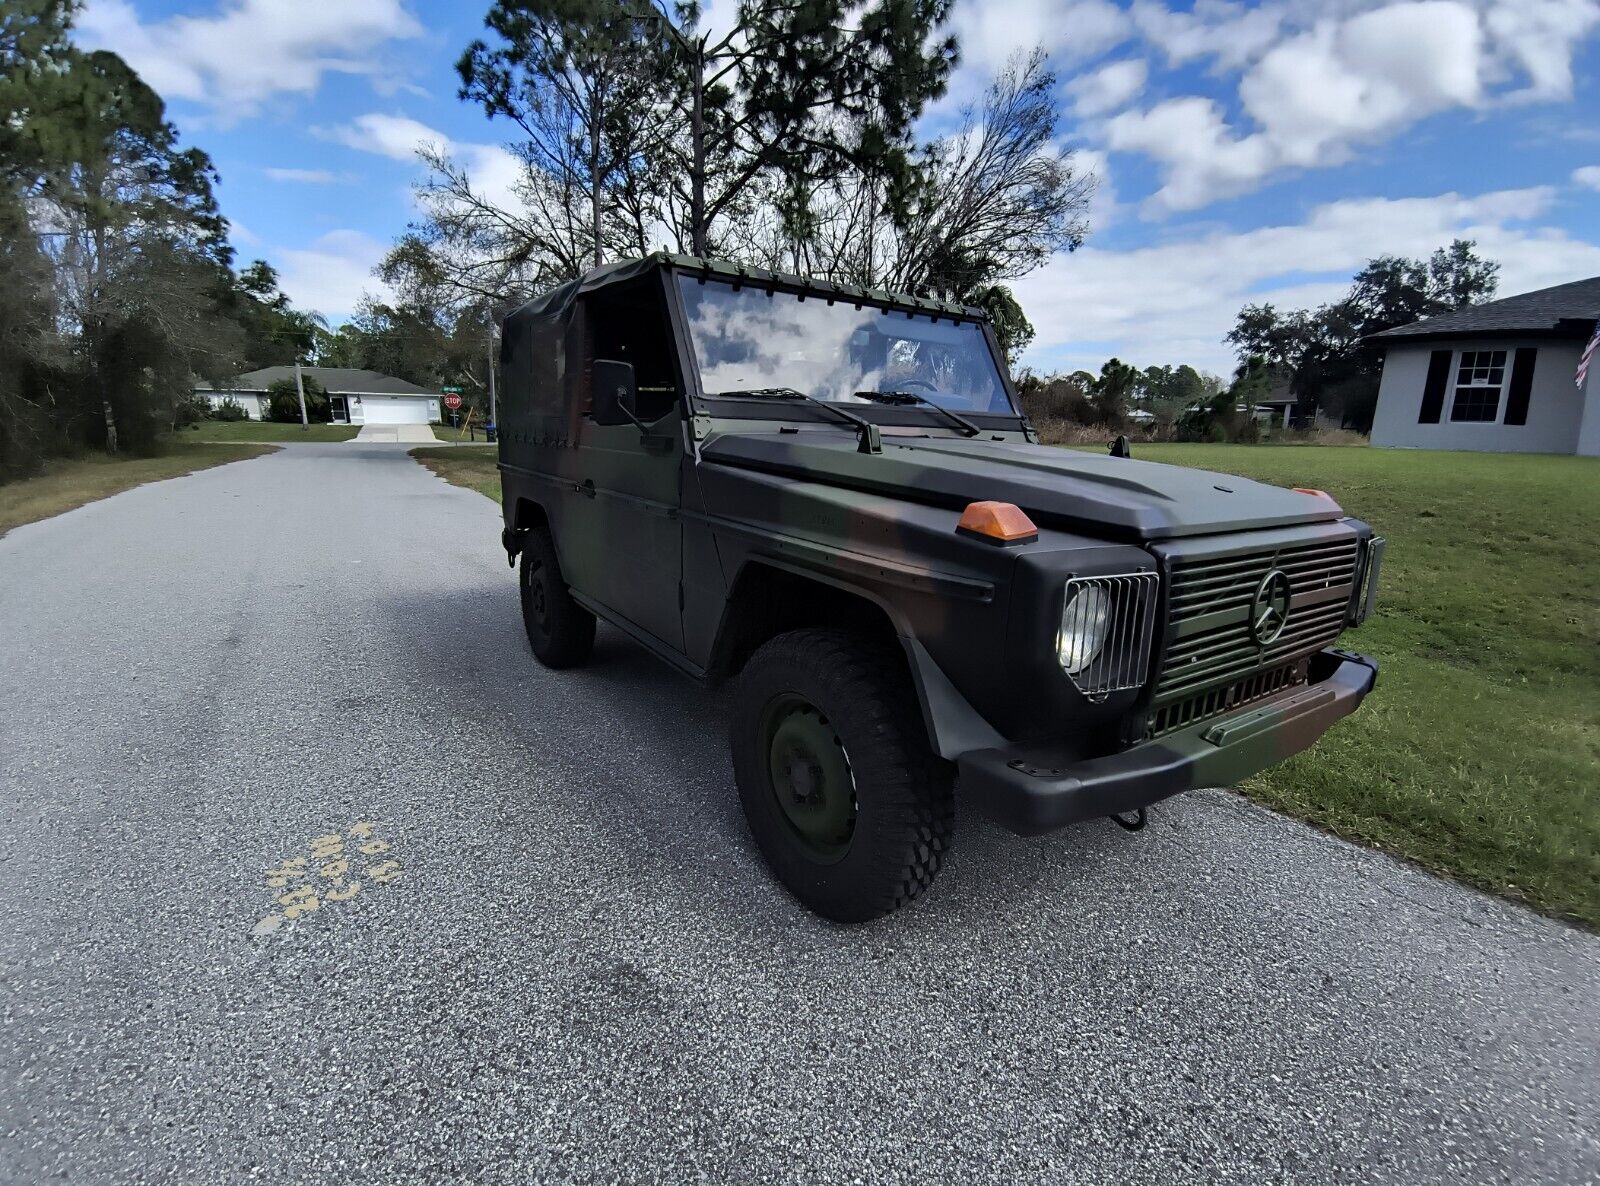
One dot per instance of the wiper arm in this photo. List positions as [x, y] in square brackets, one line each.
[904, 398]
[868, 438]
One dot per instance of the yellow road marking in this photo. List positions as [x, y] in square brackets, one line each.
[301, 887]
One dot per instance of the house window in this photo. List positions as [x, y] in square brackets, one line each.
[1478, 382]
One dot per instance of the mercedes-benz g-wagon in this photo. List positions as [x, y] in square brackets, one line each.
[832, 496]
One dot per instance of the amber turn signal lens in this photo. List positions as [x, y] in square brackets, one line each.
[1322, 494]
[1000, 521]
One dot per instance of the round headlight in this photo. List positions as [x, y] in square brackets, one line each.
[1085, 614]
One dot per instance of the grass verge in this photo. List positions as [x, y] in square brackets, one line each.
[476, 469]
[66, 483]
[1479, 754]
[265, 430]
[459, 436]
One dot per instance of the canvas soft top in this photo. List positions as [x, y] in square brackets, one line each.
[556, 304]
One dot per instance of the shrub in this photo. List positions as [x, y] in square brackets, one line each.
[229, 409]
[189, 412]
[1055, 399]
[283, 402]
[1327, 437]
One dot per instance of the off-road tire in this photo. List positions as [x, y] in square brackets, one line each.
[903, 794]
[560, 630]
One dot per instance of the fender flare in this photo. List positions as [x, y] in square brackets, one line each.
[954, 726]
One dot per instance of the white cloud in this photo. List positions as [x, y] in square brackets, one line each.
[304, 176]
[1231, 34]
[1070, 32]
[1588, 177]
[333, 273]
[1202, 158]
[1103, 204]
[1173, 302]
[1109, 88]
[1312, 94]
[494, 171]
[1537, 37]
[394, 136]
[1316, 93]
[1075, 30]
[245, 51]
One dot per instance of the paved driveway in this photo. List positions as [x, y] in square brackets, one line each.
[564, 961]
[411, 434]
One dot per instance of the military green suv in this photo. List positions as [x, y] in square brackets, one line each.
[830, 495]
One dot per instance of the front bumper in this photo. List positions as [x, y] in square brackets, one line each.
[1030, 792]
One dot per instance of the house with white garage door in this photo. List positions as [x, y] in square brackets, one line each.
[357, 396]
[1499, 377]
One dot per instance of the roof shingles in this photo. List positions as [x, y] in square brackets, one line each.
[334, 380]
[1567, 310]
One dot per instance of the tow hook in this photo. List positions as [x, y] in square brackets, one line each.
[1136, 824]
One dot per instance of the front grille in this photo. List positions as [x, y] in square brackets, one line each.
[1209, 641]
[1181, 713]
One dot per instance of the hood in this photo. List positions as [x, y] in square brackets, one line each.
[1115, 497]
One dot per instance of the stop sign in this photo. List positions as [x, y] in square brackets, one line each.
[452, 401]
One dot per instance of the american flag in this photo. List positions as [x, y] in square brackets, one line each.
[1588, 353]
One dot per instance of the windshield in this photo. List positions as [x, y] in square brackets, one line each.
[747, 339]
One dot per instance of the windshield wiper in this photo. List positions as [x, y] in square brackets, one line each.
[907, 398]
[868, 438]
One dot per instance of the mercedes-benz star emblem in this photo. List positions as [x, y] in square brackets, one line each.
[1269, 609]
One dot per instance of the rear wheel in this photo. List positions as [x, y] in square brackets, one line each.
[849, 805]
[560, 630]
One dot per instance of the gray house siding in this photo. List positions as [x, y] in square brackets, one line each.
[253, 403]
[1555, 407]
[1589, 431]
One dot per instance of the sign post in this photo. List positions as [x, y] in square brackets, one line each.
[492, 376]
[452, 401]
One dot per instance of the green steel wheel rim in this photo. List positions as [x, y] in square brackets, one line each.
[538, 598]
[809, 777]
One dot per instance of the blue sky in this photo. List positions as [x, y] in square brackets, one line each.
[1244, 152]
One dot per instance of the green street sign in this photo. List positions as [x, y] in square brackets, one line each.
[451, 390]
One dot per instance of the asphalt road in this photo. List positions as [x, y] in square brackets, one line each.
[568, 963]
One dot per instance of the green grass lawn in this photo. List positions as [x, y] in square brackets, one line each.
[475, 468]
[266, 430]
[1479, 754]
[462, 435]
[66, 483]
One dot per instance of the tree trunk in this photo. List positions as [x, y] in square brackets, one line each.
[111, 425]
[594, 204]
[597, 113]
[869, 269]
[697, 169]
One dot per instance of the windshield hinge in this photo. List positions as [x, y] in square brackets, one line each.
[869, 440]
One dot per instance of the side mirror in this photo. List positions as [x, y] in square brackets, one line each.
[613, 392]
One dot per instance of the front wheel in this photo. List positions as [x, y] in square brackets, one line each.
[560, 630]
[848, 803]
